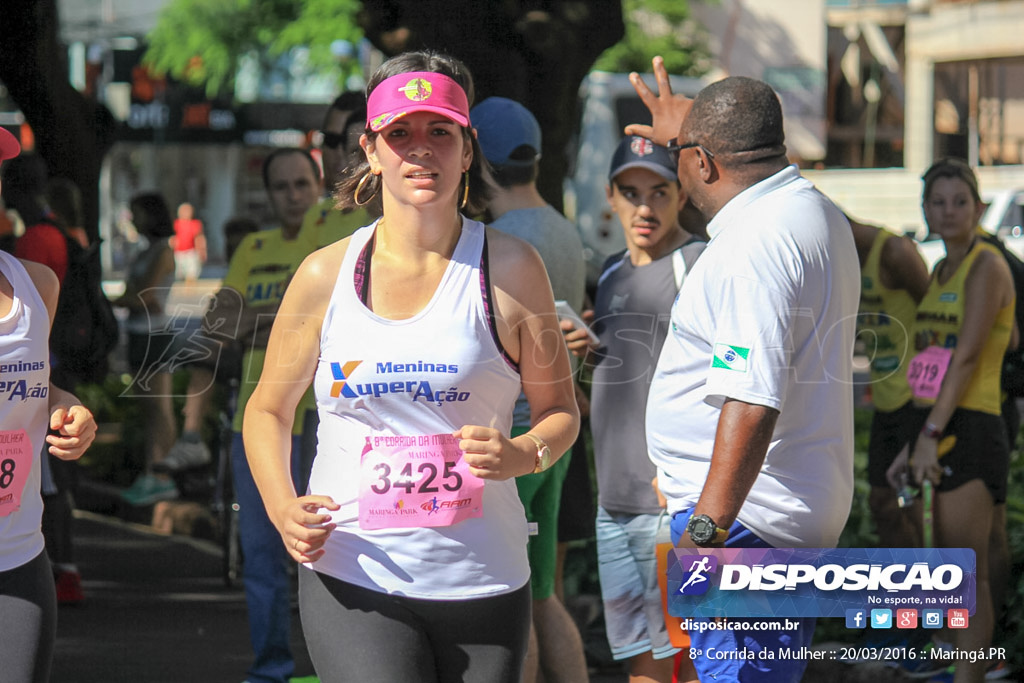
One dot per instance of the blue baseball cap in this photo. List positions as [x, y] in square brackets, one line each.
[638, 152]
[502, 125]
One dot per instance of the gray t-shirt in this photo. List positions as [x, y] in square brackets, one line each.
[631, 316]
[561, 249]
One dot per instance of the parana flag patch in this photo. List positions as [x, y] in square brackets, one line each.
[730, 357]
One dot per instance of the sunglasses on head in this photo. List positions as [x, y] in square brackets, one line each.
[332, 140]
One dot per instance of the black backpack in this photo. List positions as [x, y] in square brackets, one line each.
[1013, 361]
[84, 329]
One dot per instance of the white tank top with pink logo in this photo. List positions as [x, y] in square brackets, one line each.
[24, 398]
[413, 521]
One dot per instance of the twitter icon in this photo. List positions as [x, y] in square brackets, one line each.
[881, 618]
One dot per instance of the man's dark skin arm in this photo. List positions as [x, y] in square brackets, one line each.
[741, 442]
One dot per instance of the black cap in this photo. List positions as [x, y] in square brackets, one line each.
[638, 152]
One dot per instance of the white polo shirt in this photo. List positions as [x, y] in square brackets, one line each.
[767, 316]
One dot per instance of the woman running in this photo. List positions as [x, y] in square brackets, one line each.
[418, 333]
[30, 404]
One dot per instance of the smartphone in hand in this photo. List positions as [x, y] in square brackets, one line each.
[565, 312]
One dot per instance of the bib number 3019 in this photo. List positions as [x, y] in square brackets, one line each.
[927, 370]
[416, 481]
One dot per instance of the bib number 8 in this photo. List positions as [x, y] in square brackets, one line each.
[7, 473]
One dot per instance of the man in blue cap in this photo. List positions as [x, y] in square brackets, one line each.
[510, 138]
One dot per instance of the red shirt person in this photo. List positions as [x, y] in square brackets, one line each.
[189, 244]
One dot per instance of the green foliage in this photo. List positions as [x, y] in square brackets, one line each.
[116, 456]
[658, 27]
[200, 42]
[320, 23]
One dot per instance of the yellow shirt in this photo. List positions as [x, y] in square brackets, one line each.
[323, 224]
[883, 322]
[260, 270]
[939, 318]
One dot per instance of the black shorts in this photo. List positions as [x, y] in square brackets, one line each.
[973, 446]
[890, 432]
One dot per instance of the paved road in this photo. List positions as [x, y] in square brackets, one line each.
[158, 611]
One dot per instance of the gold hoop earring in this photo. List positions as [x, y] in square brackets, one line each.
[465, 192]
[361, 186]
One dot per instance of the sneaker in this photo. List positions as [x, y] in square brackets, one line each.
[69, 587]
[148, 489]
[998, 671]
[187, 452]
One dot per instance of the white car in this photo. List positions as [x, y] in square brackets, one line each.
[1003, 217]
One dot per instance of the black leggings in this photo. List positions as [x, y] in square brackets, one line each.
[28, 612]
[357, 634]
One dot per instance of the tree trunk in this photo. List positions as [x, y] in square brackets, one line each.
[527, 50]
[72, 133]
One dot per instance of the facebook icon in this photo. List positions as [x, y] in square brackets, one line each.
[856, 618]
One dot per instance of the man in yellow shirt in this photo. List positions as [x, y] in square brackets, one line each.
[260, 270]
[243, 310]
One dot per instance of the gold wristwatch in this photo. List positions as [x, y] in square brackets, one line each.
[543, 453]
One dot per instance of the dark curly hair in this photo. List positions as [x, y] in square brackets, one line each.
[406, 62]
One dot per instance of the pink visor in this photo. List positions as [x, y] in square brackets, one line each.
[9, 147]
[416, 91]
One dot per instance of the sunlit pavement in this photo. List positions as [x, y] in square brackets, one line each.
[156, 610]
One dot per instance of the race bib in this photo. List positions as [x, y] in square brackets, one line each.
[15, 464]
[927, 370]
[416, 481]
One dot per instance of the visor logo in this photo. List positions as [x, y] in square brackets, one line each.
[417, 90]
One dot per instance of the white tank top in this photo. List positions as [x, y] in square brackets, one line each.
[428, 374]
[24, 391]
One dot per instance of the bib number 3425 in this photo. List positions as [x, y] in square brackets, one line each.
[416, 481]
